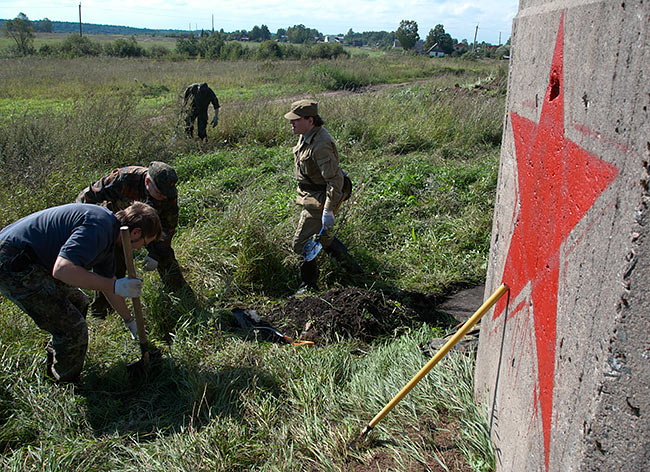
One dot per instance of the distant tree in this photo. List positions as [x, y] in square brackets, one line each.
[297, 34]
[21, 30]
[281, 33]
[438, 36]
[300, 34]
[255, 34]
[45, 25]
[210, 47]
[265, 34]
[349, 37]
[407, 34]
[187, 46]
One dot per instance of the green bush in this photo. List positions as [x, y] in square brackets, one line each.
[158, 51]
[78, 46]
[268, 50]
[124, 48]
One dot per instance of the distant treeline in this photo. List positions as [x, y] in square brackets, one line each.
[206, 47]
[295, 41]
[293, 34]
[89, 28]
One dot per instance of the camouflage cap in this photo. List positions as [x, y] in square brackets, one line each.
[165, 178]
[301, 109]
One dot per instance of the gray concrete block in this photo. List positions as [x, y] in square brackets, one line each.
[564, 365]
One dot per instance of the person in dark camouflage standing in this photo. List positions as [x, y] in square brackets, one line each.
[156, 186]
[48, 256]
[199, 97]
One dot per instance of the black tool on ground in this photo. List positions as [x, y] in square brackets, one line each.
[250, 320]
[139, 368]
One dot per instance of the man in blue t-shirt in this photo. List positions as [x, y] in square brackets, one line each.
[46, 257]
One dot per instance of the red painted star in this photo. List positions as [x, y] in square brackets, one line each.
[558, 183]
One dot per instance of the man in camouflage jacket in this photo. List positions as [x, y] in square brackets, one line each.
[156, 186]
[320, 189]
[199, 97]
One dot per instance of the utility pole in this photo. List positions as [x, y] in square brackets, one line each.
[475, 33]
[213, 23]
[80, 33]
[499, 38]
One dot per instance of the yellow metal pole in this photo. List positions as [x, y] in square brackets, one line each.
[469, 324]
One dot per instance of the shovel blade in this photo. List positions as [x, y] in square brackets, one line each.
[311, 250]
[312, 247]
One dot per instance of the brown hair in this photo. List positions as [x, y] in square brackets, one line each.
[140, 215]
[318, 121]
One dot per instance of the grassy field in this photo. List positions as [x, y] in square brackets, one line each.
[421, 144]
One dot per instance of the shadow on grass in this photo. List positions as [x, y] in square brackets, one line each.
[169, 397]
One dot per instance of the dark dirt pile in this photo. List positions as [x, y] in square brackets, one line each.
[348, 313]
[351, 313]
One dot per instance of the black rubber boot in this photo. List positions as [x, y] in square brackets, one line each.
[309, 276]
[338, 251]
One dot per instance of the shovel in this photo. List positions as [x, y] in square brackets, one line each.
[313, 246]
[442, 352]
[248, 319]
[284, 337]
[138, 368]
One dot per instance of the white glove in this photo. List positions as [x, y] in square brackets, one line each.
[127, 287]
[328, 219]
[149, 264]
[133, 327]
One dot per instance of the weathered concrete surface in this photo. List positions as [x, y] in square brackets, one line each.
[564, 366]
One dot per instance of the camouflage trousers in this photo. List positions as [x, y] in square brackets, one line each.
[54, 306]
[201, 117]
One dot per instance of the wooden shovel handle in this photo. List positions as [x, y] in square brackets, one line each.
[130, 267]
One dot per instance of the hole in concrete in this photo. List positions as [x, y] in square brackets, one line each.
[635, 410]
[554, 86]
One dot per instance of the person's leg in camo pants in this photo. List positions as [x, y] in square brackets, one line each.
[55, 307]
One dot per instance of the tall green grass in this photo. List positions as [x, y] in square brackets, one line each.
[229, 404]
[423, 156]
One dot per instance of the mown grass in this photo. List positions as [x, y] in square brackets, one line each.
[423, 157]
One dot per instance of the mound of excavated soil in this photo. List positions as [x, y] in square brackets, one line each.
[346, 313]
[356, 313]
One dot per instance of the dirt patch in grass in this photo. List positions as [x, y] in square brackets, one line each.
[363, 315]
[440, 439]
[350, 313]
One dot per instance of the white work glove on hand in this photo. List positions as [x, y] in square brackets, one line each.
[133, 327]
[149, 264]
[328, 219]
[127, 287]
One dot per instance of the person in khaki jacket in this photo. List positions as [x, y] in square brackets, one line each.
[320, 189]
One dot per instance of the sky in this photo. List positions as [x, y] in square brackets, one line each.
[459, 17]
